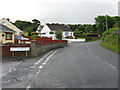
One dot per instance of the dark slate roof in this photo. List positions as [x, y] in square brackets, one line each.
[6, 29]
[62, 27]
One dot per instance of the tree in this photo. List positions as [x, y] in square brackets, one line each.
[78, 33]
[27, 26]
[116, 21]
[36, 21]
[89, 29]
[22, 24]
[58, 34]
[81, 27]
[104, 22]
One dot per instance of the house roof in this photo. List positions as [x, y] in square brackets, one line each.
[6, 29]
[55, 27]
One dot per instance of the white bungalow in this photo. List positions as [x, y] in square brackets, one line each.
[49, 30]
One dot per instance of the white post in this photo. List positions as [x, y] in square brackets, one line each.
[26, 53]
[13, 54]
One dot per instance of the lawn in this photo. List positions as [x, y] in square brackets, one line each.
[79, 37]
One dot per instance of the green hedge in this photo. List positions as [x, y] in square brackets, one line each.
[111, 39]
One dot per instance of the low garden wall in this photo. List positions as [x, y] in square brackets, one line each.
[40, 49]
[36, 48]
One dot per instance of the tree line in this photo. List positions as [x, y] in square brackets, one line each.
[102, 23]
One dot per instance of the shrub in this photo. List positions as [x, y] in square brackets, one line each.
[111, 40]
[9, 43]
[34, 33]
[34, 37]
[51, 33]
[58, 34]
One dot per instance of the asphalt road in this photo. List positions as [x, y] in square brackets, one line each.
[79, 65]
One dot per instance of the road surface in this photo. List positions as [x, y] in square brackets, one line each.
[79, 65]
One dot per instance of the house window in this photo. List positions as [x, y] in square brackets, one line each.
[8, 36]
[66, 33]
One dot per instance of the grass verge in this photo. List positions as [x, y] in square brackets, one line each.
[111, 47]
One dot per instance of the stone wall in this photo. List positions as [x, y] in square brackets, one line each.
[40, 49]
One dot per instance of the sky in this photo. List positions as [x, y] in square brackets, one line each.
[57, 11]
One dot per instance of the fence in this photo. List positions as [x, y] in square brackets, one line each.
[44, 41]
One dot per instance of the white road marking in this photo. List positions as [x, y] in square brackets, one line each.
[44, 63]
[41, 59]
[96, 56]
[48, 58]
[41, 67]
[28, 87]
[32, 67]
[110, 64]
[87, 46]
[38, 72]
[18, 63]
[13, 69]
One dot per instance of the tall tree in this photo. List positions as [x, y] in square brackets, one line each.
[36, 21]
[103, 23]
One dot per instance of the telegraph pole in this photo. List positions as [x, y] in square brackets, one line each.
[106, 22]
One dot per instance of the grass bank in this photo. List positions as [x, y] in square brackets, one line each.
[111, 40]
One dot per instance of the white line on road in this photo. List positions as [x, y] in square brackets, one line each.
[36, 63]
[110, 64]
[42, 58]
[13, 69]
[41, 67]
[28, 87]
[38, 72]
[32, 67]
[50, 56]
[44, 63]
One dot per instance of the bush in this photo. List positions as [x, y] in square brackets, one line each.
[9, 43]
[111, 40]
[51, 33]
[34, 33]
[58, 34]
[34, 37]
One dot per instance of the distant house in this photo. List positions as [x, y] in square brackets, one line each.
[49, 30]
[8, 24]
[6, 34]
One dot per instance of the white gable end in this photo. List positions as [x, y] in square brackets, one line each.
[45, 32]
